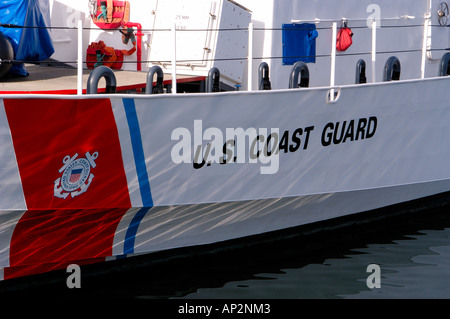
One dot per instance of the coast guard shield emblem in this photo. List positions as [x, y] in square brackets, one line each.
[76, 175]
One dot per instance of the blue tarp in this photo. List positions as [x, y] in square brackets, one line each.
[299, 43]
[33, 42]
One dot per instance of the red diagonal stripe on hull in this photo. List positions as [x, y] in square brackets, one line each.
[44, 132]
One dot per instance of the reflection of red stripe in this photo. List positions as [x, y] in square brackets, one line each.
[45, 240]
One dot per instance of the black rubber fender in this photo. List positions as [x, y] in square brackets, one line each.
[263, 77]
[392, 69]
[300, 69]
[444, 65]
[96, 75]
[360, 72]
[213, 80]
[6, 55]
[159, 87]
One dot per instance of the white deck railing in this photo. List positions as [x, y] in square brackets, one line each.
[425, 50]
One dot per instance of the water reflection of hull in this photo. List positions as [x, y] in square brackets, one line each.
[50, 240]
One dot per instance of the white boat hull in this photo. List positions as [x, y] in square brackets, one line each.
[144, 190]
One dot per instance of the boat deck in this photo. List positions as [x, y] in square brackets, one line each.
[44, 79]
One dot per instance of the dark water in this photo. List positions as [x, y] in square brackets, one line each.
[413, 254]
[412, 251]
[414, 263]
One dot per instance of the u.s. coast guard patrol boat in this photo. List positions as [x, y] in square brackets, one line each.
[221, 120]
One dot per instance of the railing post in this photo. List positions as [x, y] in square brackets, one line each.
[374, 49]
[174, 60]
[424, 47]
[333, 60]
[80, 59]
[250, 57]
